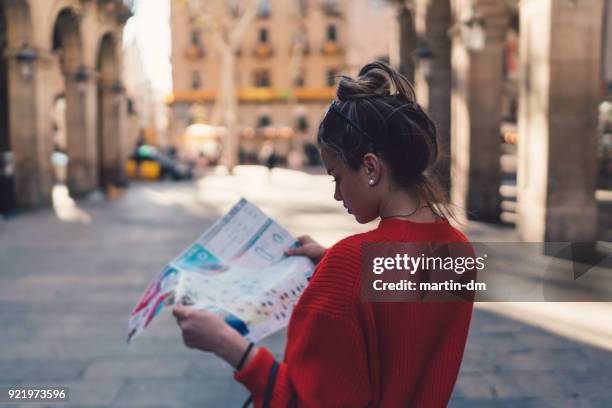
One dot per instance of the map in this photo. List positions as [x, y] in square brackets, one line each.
[237, 269]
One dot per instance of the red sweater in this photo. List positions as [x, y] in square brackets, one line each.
[344, 352]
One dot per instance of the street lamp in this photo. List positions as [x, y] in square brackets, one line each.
[25, 58]
[81, 76]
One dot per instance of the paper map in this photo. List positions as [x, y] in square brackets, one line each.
[237, 269]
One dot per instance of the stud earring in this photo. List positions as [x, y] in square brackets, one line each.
[371, 182]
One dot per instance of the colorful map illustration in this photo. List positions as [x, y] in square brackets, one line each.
[236, 268]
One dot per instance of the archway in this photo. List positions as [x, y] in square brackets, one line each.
[109, 114]
[25, 185]
[71, 79]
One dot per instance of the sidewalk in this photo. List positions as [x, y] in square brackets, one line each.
[66, 290]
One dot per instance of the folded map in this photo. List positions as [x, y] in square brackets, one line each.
[236, 268]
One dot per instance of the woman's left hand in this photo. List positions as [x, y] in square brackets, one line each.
[208, 332]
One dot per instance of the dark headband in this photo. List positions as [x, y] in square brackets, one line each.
[333, 108]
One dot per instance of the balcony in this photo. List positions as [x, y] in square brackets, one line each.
[195, 52]
[331, 48]
[263, 50]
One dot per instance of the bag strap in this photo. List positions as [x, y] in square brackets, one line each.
[269, 388]
[270, 385]
[248, 402]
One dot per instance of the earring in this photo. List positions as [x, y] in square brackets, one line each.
[371, 182]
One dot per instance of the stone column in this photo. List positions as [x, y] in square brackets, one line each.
[81, 116]
[476, 110]
[559, 90]
[433, 74]
[407, 40]
[112, 137]
[30, 132]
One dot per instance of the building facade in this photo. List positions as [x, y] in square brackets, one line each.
[61, 89]
[282, 93]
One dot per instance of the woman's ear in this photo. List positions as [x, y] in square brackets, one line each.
[372, 166]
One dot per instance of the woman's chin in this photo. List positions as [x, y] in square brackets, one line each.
[361, 219]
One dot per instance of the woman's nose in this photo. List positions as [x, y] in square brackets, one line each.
[337, 195]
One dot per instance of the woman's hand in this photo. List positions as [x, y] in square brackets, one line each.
[206, 331]
[309, 248]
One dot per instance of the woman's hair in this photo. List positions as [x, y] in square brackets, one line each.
[377, 113]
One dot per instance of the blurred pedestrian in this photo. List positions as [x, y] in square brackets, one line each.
[378, 144]
[60, 160]
[7, 185]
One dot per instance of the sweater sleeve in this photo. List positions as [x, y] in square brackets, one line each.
[321, 373]
[326, 361]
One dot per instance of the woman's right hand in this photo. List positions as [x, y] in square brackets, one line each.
[308, 248]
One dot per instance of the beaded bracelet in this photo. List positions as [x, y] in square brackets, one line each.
[244, 356]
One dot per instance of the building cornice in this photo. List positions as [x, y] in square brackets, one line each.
[255, 95]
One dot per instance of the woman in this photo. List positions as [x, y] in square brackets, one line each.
[378, 145]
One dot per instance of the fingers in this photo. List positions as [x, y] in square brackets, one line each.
[300, 250]
[180, 312]
[305, 239]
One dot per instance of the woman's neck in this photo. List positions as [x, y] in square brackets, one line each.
[404, 206]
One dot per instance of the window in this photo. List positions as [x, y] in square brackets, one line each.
[302, 38]
[195, 50]
[265, 8]
[303, 6]
[300, 78]
[331, 8]
[331, 77]
[332, 33]
[131, 109]
[234, 6]
[262, 78]
[264, 121]
[302, 123]
[196, 80]
[195, 37]
[263, 35]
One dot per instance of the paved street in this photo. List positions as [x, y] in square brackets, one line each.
[70, 277]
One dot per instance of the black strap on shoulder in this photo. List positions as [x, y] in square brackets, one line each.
[248, 402]
[270, 385]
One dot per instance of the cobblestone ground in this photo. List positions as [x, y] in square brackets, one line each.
[66, 290]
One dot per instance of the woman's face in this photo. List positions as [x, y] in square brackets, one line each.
[351, 187]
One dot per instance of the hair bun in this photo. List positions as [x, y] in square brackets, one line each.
[375, 80]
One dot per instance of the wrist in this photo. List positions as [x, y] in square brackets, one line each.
[232, 347]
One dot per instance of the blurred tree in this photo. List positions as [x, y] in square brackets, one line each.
[300, 46]
[226, 21]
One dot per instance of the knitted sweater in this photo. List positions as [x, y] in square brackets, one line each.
[344, 352]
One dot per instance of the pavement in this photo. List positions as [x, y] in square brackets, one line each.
[70, 275]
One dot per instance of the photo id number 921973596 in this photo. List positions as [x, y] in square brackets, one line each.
[33, 394]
